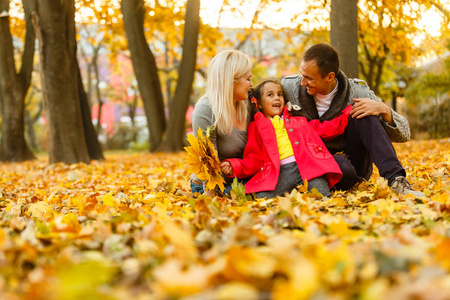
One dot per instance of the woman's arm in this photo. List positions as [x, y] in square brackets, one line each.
[202, 117]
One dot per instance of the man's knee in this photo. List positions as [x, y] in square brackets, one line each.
[344, 164]
[363, 123]
[349, 176]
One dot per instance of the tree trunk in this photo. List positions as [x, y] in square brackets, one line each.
[372, 68]
[13, 88]
[97, 88]
[55, 28]
[344, 34]
[93, 146]
[132, 113]
[176, 131]
[88, 90]
[146, 71]
[30, 121]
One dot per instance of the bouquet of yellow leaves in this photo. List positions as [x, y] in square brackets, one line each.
[203, 160]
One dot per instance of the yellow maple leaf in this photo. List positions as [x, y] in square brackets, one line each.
[203, 160]
[40, 210]
[172, 278]
[108, 199]
[71, 223]
[443, 253]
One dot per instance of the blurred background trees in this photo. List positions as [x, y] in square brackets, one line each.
[14, 85]
[134, 69]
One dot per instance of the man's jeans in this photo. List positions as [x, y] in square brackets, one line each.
[367, 143]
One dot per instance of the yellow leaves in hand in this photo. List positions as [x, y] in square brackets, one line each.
[203, 160]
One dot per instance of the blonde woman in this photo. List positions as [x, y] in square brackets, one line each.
[225, 106]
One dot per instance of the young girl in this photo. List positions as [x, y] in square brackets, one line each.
[283, 150]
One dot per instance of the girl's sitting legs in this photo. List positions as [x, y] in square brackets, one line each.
[290, 178]
[321, 184]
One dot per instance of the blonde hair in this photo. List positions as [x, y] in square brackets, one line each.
[227, 67]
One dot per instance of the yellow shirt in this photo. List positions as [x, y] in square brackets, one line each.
[284, 144]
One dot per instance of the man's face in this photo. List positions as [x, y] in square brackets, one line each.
[313, 80]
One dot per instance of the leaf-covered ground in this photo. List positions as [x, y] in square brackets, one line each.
[128, 227]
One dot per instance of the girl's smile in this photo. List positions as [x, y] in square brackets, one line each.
[272, 100]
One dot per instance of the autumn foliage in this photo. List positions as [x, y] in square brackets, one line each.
[129, 227]
[203, 160]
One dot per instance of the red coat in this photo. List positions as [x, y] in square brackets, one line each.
[261, 157]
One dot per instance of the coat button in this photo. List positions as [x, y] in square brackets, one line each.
[290, 129]
[296, 142]
[287, 120]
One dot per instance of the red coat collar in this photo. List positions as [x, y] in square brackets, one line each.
[259, 115]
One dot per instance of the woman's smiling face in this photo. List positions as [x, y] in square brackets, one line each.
[241, 86]
[272, 100]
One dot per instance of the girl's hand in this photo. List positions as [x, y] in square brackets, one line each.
[347, 110]
[210, 193]
[226, 168]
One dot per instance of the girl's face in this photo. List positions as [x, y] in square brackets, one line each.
[241, 86]
[272, 100]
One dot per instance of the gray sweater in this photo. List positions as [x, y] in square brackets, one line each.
[227, 146]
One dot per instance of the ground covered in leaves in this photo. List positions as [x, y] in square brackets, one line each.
[129, 227]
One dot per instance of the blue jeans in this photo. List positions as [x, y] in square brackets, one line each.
[197, 187]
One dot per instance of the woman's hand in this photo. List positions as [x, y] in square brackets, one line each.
[226, 168]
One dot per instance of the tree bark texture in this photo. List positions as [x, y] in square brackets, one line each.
[55, 28]
[176, 130]
[344, 34]
[92, 144]
[145, 69]
[30, 120]
[373, 67]
[94, 64]
[13, 88]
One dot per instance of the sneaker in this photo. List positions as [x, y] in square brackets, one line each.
[402, 187]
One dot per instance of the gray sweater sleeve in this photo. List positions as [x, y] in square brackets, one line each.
[400, 132]
[202, 117]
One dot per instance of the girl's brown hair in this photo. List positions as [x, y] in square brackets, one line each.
[256, 91]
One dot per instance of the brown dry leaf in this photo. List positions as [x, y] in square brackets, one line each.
[129, 227]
